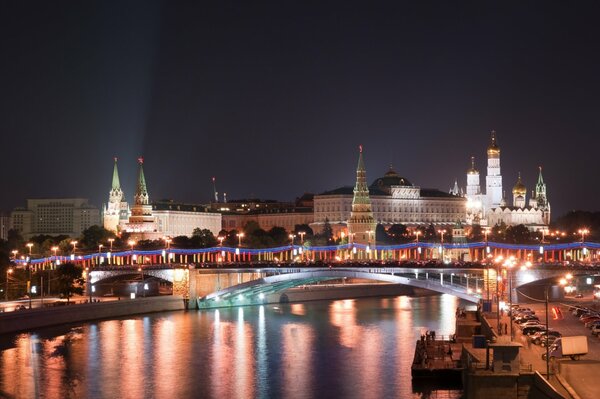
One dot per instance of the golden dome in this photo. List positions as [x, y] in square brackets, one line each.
[519, 188]
[493, 150]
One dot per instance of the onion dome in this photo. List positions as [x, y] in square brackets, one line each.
[519, 188]
[472, 170]
[493, 150]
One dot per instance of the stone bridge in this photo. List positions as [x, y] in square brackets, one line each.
[250, 284]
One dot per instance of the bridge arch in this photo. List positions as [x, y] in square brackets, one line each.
[254, 291]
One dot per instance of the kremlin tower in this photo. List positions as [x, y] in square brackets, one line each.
[141, 219]
[361, 226]
[116, 211]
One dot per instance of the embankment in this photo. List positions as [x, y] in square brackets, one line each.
[25, 320]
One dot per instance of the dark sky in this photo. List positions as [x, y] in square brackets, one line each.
[274, 98]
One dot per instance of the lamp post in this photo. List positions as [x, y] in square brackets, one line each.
[301, 234]
[8, 272]
[110, 241]
[498, 260]
[220, 240]
[240, 236]
[291, 236]
[131, 243]
[74, 244]
[442, 232]
[29, 245]
[369, 232]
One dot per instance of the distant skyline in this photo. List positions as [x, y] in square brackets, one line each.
[273, 99]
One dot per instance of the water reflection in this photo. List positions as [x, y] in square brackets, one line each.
[352, 348]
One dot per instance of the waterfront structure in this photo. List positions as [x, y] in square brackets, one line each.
[393, 200]
[116, 211]
[491, 208]
[361, 225]
[57, 216]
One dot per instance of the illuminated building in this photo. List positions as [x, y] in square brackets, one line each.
[116, 211]
[56, 216]
[491, 208]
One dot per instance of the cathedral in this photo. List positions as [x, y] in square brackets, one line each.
[491, 208]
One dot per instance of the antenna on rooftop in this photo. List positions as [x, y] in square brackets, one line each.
[214, 179]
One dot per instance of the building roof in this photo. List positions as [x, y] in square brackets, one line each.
[391, 178]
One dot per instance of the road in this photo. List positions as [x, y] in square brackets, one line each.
[581, 375]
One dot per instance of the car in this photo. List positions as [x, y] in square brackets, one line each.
[551, 340]
[589, 322]
[589, 318]
[527, 319]
[529, 324]
[579, 295]
[529, 330]
[596, 329]
[540, 336]
[593, 323]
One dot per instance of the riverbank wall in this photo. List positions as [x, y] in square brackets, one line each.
[330, 292]
[31, 319]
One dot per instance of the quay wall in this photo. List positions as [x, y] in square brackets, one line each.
[31, 319]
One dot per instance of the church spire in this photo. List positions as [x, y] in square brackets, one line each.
[116, 184]
[141, 193]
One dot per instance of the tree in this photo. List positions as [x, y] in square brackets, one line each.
[69, 279]
[327, 232]
[303, 228]
[398, 233]
[94, 235]
[476, 233]
[518, 234]
[279, 235]
[203, 238]
[430, 233]
[380, 234]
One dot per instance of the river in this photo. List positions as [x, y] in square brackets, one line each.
[354, 348]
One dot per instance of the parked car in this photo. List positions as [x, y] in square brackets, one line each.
[591, 321]
[526, 320]
[533, 329]
[540, 336]
[596, 329]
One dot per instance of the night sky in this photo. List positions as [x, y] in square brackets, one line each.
[274, 98]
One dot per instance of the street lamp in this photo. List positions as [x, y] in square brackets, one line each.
[583, 232]
[8, 271]
[240, 236]
[131, 243]
[100, 248]
[110, 241]
[442, 232]
[291, 236]
[301, 234]
[417, 233]
[369, 232]
[220, 240]
[74, 244]
[141, 270]
[29, 245]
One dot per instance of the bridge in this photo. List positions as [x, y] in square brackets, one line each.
[216, 285]
[414, 251]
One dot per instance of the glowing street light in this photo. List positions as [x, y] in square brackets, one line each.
[220, 240]
[301, 234]
[583, 232]
[417, 233]
[168, 242]
[29, 245]
[14, 253]
[240, 236]
[292, 236]
[110, 241]
[74, 244]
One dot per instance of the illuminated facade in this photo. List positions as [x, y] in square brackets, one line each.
[116, 211]
[393, 200]
[141, 219]
[491, 208]
[361, 225]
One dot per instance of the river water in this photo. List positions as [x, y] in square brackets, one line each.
[355, 348]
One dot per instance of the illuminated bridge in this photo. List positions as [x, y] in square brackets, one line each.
[217, 286]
